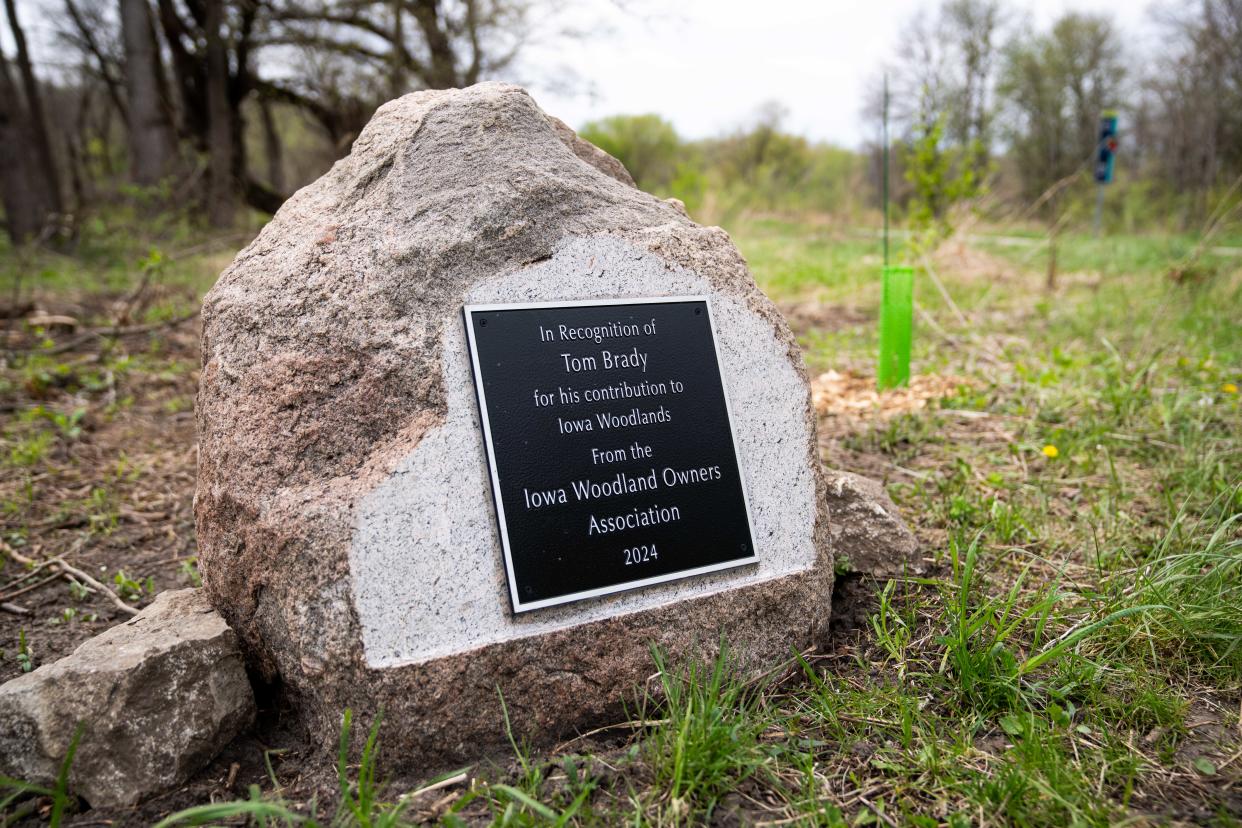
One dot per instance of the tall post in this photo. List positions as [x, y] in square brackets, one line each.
[884, 172]
[1099, 208]
[897, 296]
[1105, 159]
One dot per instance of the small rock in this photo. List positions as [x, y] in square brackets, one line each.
[157, 698]
[868, 535]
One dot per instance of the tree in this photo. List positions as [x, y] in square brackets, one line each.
[942, 91]
[1055, 86]
[647, 145]
[335, 60]
[25, 207]
[939, 178]
[196, 81]
[972, 27]
[1190, 122]
[87, 32]
[152, 143]
[30, 190]
[220, 191]
[36, 122]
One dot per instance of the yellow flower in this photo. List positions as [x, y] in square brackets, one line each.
[1229, 388]
[1050, 451]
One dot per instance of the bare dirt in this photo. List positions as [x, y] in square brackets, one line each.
[112, 491]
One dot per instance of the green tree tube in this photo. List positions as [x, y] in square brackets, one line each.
[896, 327]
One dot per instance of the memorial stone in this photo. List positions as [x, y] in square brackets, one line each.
[478, 417]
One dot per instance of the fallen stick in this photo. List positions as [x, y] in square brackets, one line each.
[67, 570]
[72, 573]
[112, 332]
[9, 596]
[30, 573]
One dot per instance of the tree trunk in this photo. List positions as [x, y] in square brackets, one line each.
[220, 195]
[442, 67]
[35, 123]
[188, 74]
[273, 147]
[151, 141]
[396, 77]
[92, 45]
[25, 207]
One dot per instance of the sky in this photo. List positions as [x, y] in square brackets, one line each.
[708, 65]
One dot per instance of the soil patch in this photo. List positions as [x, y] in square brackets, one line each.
[808, 315]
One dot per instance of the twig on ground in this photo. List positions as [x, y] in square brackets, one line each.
[879, 814]
[72, 573]
[14, 609]
[225, 242]
[916, 475]
[456, 779]
[29, 587]
[111, 332]
[30, 573]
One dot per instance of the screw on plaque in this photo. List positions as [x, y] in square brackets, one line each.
[482, 322]
[698, 311]
[743, 547]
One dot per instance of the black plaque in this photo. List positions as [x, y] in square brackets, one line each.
[610, 445]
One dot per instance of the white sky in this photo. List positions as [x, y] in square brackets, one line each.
[707, 65]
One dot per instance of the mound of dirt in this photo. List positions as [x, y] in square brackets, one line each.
[851, 395]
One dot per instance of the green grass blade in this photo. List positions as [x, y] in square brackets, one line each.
[527, 800]
[1035, 661]
[219, 811]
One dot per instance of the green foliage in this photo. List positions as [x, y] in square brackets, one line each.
[25, 656]
[1057, 84]
[759, 168]
[941, 177]
[115, 245]
[189, 571]
[706, 740]
[1076, 608]
[30, 449]
[23, 797]
[361, 804]
[1194, 572]
[647, 145]
[130, 589]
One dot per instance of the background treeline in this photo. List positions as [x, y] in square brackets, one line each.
[217, 104]
[208, 108]
[988, 111]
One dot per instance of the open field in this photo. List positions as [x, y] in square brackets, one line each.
[1073, 657]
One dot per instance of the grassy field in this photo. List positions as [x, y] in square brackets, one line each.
[1073, 657]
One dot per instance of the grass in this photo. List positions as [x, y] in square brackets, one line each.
[1074, 656]
[708, 740]
[25, 799]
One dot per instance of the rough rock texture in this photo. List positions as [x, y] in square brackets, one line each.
[868, 535]
[591, 154]
[157, 698]
[343, 513]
